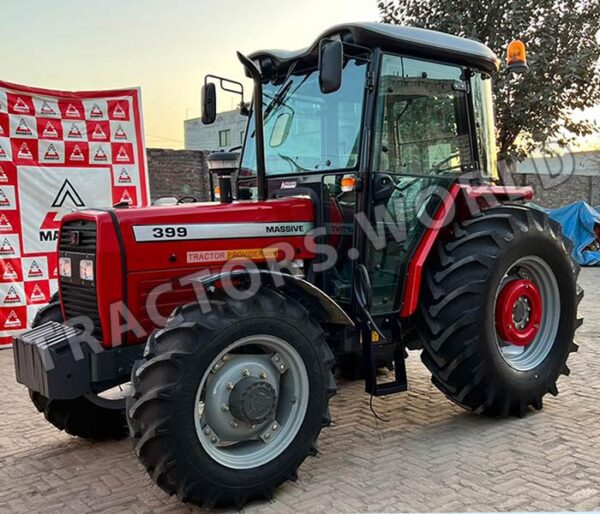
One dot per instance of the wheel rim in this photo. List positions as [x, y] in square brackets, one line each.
[251, 401]
[527, 313]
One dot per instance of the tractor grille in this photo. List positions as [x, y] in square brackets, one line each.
[86, 237]
[79, 298]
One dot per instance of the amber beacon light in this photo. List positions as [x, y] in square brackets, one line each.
[516, 57]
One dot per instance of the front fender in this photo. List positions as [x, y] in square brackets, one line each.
[326, 307]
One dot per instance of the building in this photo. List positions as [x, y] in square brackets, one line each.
[226, 132]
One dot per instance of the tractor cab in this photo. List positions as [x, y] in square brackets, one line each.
[375, 123]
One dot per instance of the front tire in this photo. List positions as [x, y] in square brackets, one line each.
[228, 404]
[499, 311]
[90, 417]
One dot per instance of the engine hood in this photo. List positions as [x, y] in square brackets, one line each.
[205, 234]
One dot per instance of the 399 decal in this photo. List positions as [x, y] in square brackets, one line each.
[212, 231]
[169, 232]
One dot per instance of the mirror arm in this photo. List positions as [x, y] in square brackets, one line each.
[254, 73]
[222, 84]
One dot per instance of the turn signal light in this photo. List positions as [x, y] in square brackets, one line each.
[348, 183]
[516, 56]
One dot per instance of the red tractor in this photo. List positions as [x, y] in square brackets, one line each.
[363, 219]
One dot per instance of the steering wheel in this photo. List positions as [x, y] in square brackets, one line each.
[187, 199]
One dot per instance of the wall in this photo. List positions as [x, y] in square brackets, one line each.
[576, 188]
[561, 180]
[178, 173]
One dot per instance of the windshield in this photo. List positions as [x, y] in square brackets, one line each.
[306, 130]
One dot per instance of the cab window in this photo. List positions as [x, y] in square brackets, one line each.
[423, 125]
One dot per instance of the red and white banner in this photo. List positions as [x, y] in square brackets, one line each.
[59, 151]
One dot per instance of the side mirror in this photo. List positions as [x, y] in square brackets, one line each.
[281, 129]
[209, 103]
[331, 63]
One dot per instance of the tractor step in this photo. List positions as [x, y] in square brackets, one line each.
[400, 382]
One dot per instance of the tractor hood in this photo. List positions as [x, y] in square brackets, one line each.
[207, 234]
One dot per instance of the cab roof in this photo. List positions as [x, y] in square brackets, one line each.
[406, 40]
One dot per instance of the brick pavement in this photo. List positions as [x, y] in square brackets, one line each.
[429, 456]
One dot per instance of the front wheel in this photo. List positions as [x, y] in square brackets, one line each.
[228, 404]
[499, 311]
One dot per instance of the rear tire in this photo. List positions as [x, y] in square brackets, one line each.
[469, 362]
[90, 417]
[184, 371]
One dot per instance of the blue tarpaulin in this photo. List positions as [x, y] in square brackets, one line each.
[578, 221]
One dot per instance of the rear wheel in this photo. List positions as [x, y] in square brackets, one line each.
[499, 311]
[228, 404]
[94, 416]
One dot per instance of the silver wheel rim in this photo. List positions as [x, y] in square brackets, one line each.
[239, 444]
[526, 358]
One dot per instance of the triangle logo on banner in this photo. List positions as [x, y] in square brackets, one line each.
[50, 130]
[96, 112]
[4, 201]
[124, 177]
[122, 155]
[37, 294]
[2, 153]
[51, 154]
[119, 112]
[98, 132]
[126, 197]
[35, 271]
[3, 177]
[74, 132]
[23, 129]
[47, 110]
[120, 133]
[5, 225]
[9, 272]
[12, 296]
[25, 152]
[6, 248]
[21, 106]
[77, 154]
[72, 111]
[100, 155]
[13, 321]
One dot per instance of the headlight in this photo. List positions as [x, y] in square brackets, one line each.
[64, 267]
[86, 270]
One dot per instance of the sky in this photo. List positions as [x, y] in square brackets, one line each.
[165, 47]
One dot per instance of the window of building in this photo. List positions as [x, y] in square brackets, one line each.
[224, 138]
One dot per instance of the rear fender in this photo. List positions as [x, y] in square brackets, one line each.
[453, 205]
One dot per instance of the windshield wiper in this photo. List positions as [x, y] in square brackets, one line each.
[292, 162]
[277, 99]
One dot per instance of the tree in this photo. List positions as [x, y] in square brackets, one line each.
[563, 55]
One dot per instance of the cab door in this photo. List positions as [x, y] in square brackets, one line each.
[423, 142]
